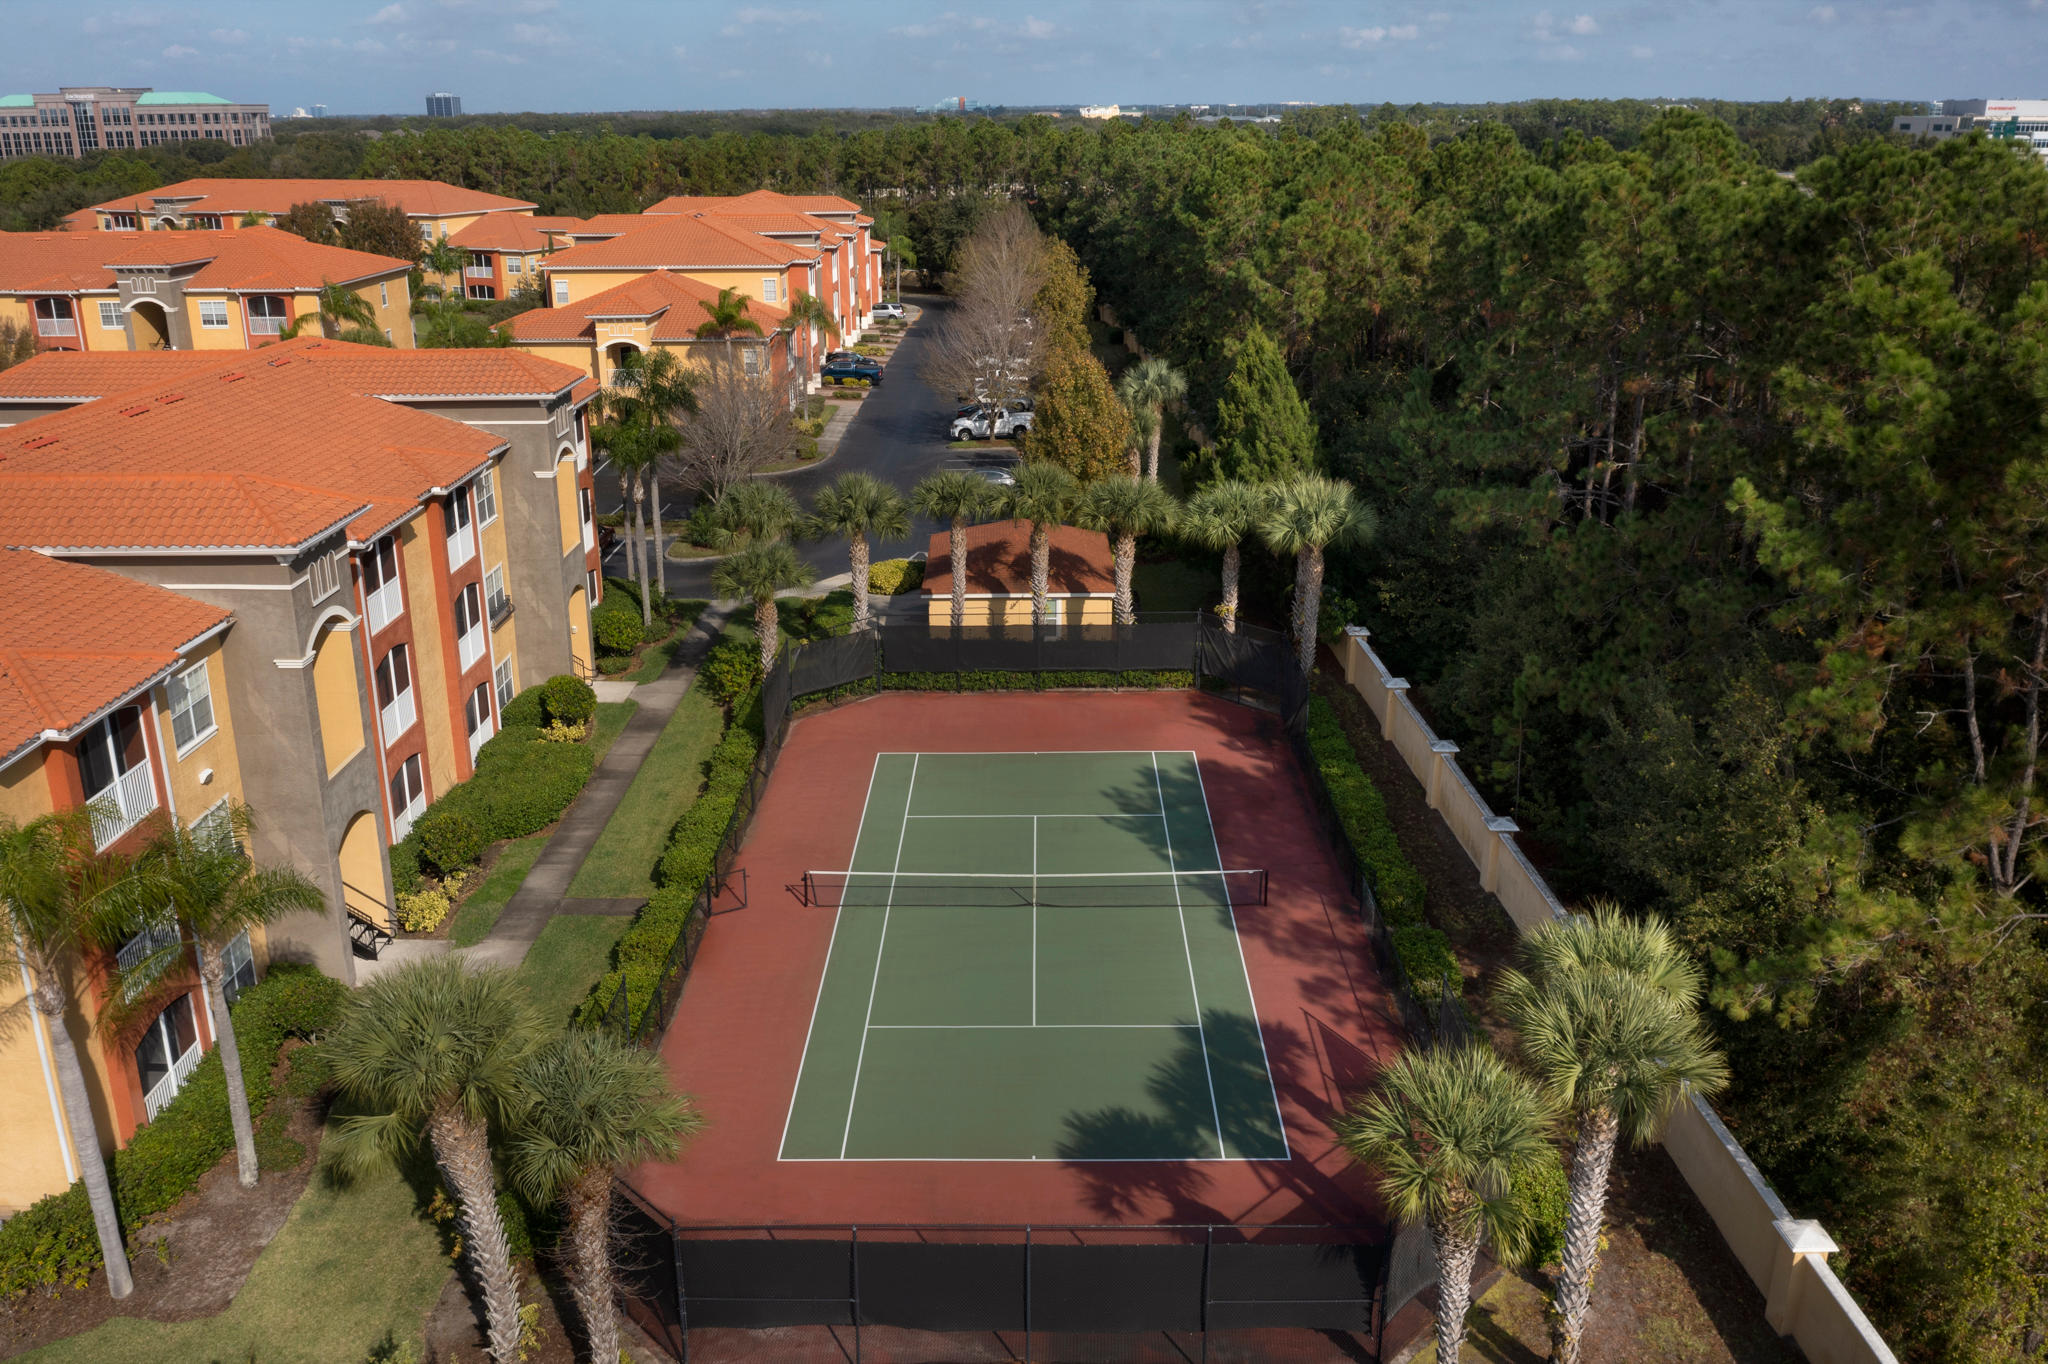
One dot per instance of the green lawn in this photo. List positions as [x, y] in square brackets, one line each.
[804, 618]
[475, 916]
[611, 717]
[1175, 585]
[567, 959]
[654, 662]
[351, 1270]
[622, 863]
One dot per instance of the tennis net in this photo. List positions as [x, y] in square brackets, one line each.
[1067, 890]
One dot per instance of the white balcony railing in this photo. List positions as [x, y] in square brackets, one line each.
[397, 717]
[166, 1089]
[122, 805]
[265, 326]
[401, 820]
[461, 547]
[56, 326]
[476, 272]
[469, 647]
[482, 735]
[385, 605]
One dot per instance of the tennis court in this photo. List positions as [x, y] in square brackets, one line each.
[1034, 956]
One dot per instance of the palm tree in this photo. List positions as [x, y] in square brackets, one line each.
[343, 315]
[616, 437]
[727, 318]
[436, 1049]
[1044, 495]
[1451, 1131]
[1221, 515]
[856, 506]
[596, 1104]
[808, 311]
[1306, 516]
[213, 892]
[1127, 508]
[757, 511]
[1152, 385]
[1609, 1018]
[59, 898]
[957, 498]
[445, 259]
[654, 387]
[757, 573]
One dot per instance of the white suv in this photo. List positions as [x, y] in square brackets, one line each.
[895, 310]
[975, 425]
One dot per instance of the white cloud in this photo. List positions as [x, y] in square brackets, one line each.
[1035, 27]
[1583, 25]
[537, 35]
[390, 14]
[820, 60]
[916, 31]
[679, 51]
[177, 50]
[776, 18]
[231, 35]
[733, 73]
[1356, 38]
[1642, 54]
[1562, 52]
[1824, 14]
[1403, 32]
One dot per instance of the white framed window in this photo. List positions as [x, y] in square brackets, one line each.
[323, 575]
[455, 514]
[561, 293]
[110, 315]
[395, 708]
[267, 314]
[476, 714]
[427, 232]
[768, 285]
[190, 694]
[469, 626]
[238, 963]
[487, 497]
[408, 797]
[381, 591]
[384, 294]
[495, 600]
[216, 825]
[213, 313]
[750, 359]
[514, 264]
[503, 677]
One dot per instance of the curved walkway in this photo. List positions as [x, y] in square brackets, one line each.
[544, 893]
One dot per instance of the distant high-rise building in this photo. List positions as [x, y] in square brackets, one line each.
[441, 104]
[87, 118]
[319, 111]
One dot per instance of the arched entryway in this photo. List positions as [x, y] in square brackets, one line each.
[361, 859]
[616, 354]
[579, 631]
[151, 326]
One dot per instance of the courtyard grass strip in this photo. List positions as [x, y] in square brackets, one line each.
[567, 960]
[621, 865]
[477, 914]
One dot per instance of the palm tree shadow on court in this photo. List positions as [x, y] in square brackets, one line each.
[1129, 1158]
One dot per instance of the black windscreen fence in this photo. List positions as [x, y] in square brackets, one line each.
[1047, 1292]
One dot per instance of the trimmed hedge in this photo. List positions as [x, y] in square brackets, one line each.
[567, 698]
[1423, 953]
[616, 627]
[53, 1241]
[730, 670]
[449, 839]
[1037, 681]
[685, 864]
[894, 577]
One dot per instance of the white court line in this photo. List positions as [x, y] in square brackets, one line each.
[1019, 1027]
[1230, 909]
[1057, 814]
[1034, 921]
[833, 941]
[1037, 1160]
[880, 946]
[1215, 1110]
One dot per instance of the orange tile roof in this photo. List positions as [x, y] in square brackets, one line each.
[999, 561]
[85, 220]
[270, 450]
[788, 222]
[374, 370]
[676, 300]
[681, 242]
[419, 198]
[251, 258]
[758, 201]
[76, 639]
[516, 232]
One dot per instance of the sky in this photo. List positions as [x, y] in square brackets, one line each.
[384, 56]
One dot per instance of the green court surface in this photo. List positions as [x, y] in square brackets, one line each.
[1034, 957]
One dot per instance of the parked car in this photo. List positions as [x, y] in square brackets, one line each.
[1001, 478]
[843, 366]
[977, 425]
[888, 309]
[969, 409]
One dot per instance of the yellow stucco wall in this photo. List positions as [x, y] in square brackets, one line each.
[566, 510]
[216, 752]
[430, 662]
[28, 1129]
[335, 691]
[1017, 610]
[24, 789]
[580, 354]
[579, 629]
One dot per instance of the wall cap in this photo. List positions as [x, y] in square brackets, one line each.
[1502, 824]
[1395, 684]
[1442, 746]
[1357, 631]
[1803, 1236]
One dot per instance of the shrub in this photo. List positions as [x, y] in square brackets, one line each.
[611, 666]
[894, 577]
[1425, 956]
[702, 526]
[405, 864]
[561, 733]
[621, 588]
[423, 910]
[567, 698]
[523, 789]
[616, 627]
[523, 709]
[52, 1242]
[870, 348]
[507, 739]
[449, 839]
[1544, 1196]
[731, 669]
[1036, 681]
[1362, 812]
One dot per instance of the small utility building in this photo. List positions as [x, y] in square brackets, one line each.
[1080, 583]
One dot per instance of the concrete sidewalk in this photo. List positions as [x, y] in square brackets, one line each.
[546, 887]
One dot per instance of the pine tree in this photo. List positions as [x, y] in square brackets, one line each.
[1264, 432]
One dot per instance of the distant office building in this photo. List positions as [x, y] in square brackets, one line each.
[1100, 111]
[87, 118]
[441, 104]
[319, 111]
[2021, 120]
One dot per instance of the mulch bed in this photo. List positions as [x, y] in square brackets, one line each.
[191, 1261]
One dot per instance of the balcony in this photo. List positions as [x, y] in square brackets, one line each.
[469, 646]
[167, 1088]
[499, 606]
[397, 717]
[476, 272]
[122, 805]
[56, 326]
[265, 326]
[402, 820]
[461, 546]
[384, 605]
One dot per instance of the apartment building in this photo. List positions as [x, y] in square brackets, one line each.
[84, 118]
[833, 226]
[659, 310]
[506, 251]
[440, 210]
[137, 291]
[114, 697]
[404, 540]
